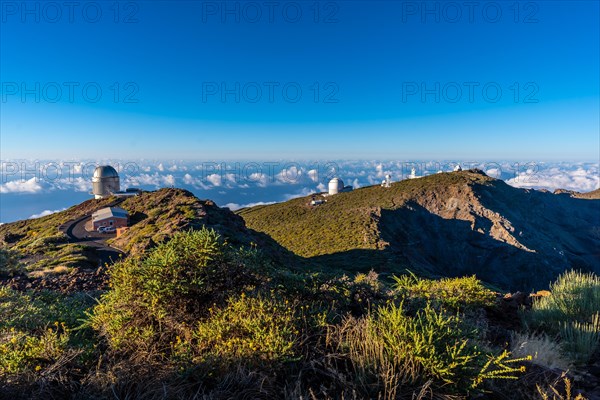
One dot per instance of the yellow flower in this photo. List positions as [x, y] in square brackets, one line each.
[37, 367]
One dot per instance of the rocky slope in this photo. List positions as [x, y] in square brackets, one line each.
[448, 224]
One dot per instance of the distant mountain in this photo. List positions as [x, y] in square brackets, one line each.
[448, 224]
[589, 195]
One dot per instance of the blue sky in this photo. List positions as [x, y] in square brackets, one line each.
[368, 62]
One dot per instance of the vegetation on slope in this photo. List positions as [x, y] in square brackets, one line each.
[348, 221]
[42, 246]
[204, 307]
[199, 316]
[447, 224]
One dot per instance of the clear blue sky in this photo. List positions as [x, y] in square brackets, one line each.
[369, 58]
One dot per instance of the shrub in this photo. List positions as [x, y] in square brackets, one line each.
[575, 296]
[22, 351]
[250, 329]
[155, 299]
[581, 339]
[389, 349]
[452, 292]
[571, 312]
[36, 329]
[9, 263]
[35, 311]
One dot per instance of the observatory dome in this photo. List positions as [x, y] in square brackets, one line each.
[105, 171]
[336, 185]
[105, 181]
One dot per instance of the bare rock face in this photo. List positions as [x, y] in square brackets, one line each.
[519, 239]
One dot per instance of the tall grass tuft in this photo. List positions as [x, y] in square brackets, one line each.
[390, 350]
[572, 313]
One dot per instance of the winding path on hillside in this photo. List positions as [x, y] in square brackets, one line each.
[77, 234]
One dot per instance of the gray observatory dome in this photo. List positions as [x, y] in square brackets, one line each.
[105, 182]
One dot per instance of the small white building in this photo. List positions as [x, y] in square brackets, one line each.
[387, 182]
[336, 185]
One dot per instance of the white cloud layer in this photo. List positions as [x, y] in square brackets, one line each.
[235, 206]
[21, 186]
[45, 213]
[580, 179]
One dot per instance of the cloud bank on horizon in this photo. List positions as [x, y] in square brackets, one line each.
[243, 184]
[27, 177]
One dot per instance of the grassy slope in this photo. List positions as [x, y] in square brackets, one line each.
[41, 242]
[348, 221]
[448, 224]
[155, 216]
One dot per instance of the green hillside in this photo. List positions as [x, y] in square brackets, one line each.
[201, 306]
[448, 224]
[43, 246]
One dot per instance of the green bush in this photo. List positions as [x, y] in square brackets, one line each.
[389, 348]
[452, 292]
[581, 339]
[10, 264]
[155, 299]
[249, 328]
[36, 329]
[571, 312]
[23, 351]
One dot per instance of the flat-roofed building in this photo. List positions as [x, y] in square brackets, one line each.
[110, 216]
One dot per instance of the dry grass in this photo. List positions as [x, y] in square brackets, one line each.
[561, 389]
[58, 270]
[545, 352]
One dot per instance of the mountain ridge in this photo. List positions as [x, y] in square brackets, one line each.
[447, 224]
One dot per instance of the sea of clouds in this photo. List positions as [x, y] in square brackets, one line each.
[238, 184]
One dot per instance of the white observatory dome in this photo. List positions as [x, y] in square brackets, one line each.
[336, 185]
[105, 181]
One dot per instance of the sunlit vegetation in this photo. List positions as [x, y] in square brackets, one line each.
[572, 313]
[347, 221]
[197, 314]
